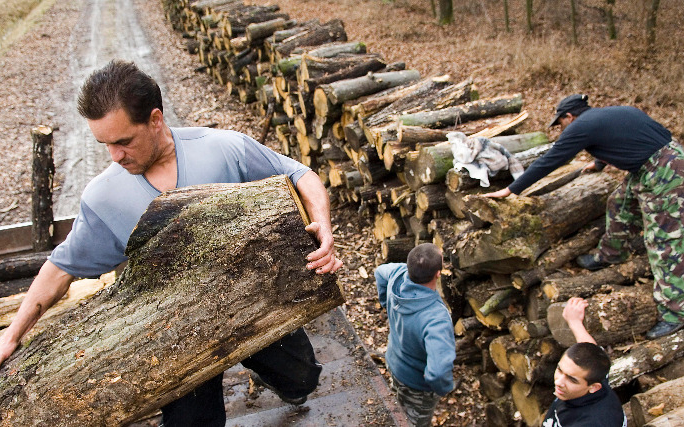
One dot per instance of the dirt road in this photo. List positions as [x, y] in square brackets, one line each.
[108, 29]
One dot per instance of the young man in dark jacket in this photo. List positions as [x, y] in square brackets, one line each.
[421, 347]
[583, 395]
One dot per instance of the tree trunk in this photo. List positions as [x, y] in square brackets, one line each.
[258, 31]
[534, 361]
[670, 419]
[522, 228]
[41, 198]
[645, 357]
[317, 71]
[431, 94]
[431, 197]
[396, 250]
[21, 266]
[470, 111]
[446, 12]
[500, 412]
[414, 134]
[586, 285]
[229, 278]
[338, 92]
[651, 23]
[494, 384]
[331, 31]
[523, 329]
[610, 318]
[531, 401]
[661, 399]
[558, 255]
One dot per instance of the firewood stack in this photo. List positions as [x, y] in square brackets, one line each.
[376, 133]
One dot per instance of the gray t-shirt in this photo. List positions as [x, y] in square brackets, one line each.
[113, 202]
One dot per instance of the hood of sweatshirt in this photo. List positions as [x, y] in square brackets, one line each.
[409, 297]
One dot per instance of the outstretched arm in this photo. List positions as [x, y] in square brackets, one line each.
[505, 192]
[315, 199]
[573, 313]
[47, 288]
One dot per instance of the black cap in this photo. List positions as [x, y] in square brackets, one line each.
[568, 104]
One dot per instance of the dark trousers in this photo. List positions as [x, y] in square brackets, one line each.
[288, 364]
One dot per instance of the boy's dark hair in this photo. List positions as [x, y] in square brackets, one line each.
[119, 84]
[424, 261]
[591, 358]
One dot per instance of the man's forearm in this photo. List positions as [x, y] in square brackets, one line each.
[47, 288]
[315, 199]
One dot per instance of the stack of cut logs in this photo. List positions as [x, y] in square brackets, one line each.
[376, 133]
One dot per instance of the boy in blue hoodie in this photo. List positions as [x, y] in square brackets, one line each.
[421, 347]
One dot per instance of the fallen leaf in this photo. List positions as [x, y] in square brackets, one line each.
[657, 411]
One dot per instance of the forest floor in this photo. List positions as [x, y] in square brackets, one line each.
[38, 77]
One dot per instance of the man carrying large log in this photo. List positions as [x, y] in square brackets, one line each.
[123, 107]
[583, 396]
[650, 198]
[421, 347]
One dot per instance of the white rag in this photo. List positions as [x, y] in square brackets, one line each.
[481, 157]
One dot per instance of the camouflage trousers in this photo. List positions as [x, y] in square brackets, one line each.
[418, 405]
[652, 201]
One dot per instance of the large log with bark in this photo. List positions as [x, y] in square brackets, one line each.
[670, 419]
[586, 285]
[523, 228]
[331, 31]
[645, 357]
[470, 111]
[558, 255]
[215, 273]
[338, 92]
[609, 318]
[659, 400]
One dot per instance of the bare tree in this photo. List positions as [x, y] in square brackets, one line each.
[506, 18]
[528, 8]
[651, 22]
[446, 12]
[610, 21]
[573, 19]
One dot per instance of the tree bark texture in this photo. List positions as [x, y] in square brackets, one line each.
[331, 31]
[558, 255]
[531, 400]
[215, 273]
[609, 318]
[586, 285]
[661, 399]
[670, 419]
[645, 357]
[470, 111]
[344, 90]
[523, 228]
[41, 198]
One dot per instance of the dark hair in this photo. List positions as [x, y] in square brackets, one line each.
[591, 358]
[119, 84]
[424, 261]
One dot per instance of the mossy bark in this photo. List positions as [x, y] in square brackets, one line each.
[215, 273]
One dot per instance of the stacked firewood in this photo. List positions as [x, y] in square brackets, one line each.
[376, 133]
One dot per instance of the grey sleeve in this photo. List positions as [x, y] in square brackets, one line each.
[90, 249]
[263, 162]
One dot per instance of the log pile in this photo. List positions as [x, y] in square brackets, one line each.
[376, 133]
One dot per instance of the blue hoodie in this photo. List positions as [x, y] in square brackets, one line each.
[421, 347]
